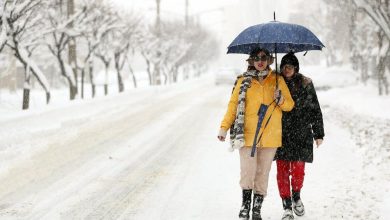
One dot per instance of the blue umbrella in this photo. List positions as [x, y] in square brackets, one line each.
[277, 37]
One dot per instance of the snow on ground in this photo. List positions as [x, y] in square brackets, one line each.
[152, 153]
[347, 92]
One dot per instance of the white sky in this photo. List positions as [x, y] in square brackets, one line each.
[227, 18]
[242, 10]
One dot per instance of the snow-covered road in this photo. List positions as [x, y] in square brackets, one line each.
[153, 154]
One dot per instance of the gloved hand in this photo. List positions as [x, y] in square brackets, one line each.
[278, 95]
[222, 134]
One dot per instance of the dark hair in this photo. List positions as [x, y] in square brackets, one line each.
[291, 59]
[254, 53]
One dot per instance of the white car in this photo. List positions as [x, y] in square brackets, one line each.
[226, 76]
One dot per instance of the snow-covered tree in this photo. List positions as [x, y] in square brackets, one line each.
[175, 46]
[23, 28]
[59, 38]
[146, 46]
[379, 12]
[124, 37]
[97, 25]
[201, 51]
[363, 42]
[3, 26]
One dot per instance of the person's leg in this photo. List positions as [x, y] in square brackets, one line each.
[247, 168]
[247, 173]
[283, 178]
[297, 173]
[265, 157]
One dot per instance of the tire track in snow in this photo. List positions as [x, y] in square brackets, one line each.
[61, 161]
[142, 175]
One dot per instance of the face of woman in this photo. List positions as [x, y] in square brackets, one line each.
[288, 71]
[261, 61]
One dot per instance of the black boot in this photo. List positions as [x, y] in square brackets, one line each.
[298, 207]
[257, 202]
[246, 204]
[287, 206]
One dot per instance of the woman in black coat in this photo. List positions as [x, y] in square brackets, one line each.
[299, 127]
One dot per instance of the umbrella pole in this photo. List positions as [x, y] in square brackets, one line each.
[276, 62]
[276, 67]
[276, 72]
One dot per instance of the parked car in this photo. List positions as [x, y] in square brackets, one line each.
[226, 76]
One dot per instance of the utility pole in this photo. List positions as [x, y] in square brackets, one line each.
[61, 4]
[186, 14]
[72, 58]
[158, 17]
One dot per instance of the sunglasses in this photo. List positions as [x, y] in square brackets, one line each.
[258, 58]
[288, 66]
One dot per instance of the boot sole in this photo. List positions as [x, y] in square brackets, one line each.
[299, 214]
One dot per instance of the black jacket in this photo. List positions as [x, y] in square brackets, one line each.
[302, 124]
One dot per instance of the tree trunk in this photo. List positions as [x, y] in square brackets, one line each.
[106, 80]
[386, 85]
[82, 83]
[380, 74]
[93, 90]
[72, 53]
[386, 62]
[26, 98]
[147, 68]
[364, 70]
[72, 62]
[27, 71]
[175, 74]
[48, 97]
[93, 86]
[149, 72]
[133, 76]
[186, 73]
[26, 88]
[165, 76]
[121, 87]
[72, 89]
[156, 74]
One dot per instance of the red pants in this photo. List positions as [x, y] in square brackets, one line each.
[286, 168]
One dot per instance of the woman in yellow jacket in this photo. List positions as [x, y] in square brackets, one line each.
[258, 85]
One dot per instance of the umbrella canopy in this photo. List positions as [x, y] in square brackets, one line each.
[277, 37]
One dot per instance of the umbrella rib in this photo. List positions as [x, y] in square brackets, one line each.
[277, 43]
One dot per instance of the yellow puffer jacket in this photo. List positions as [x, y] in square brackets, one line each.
[257, 94]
